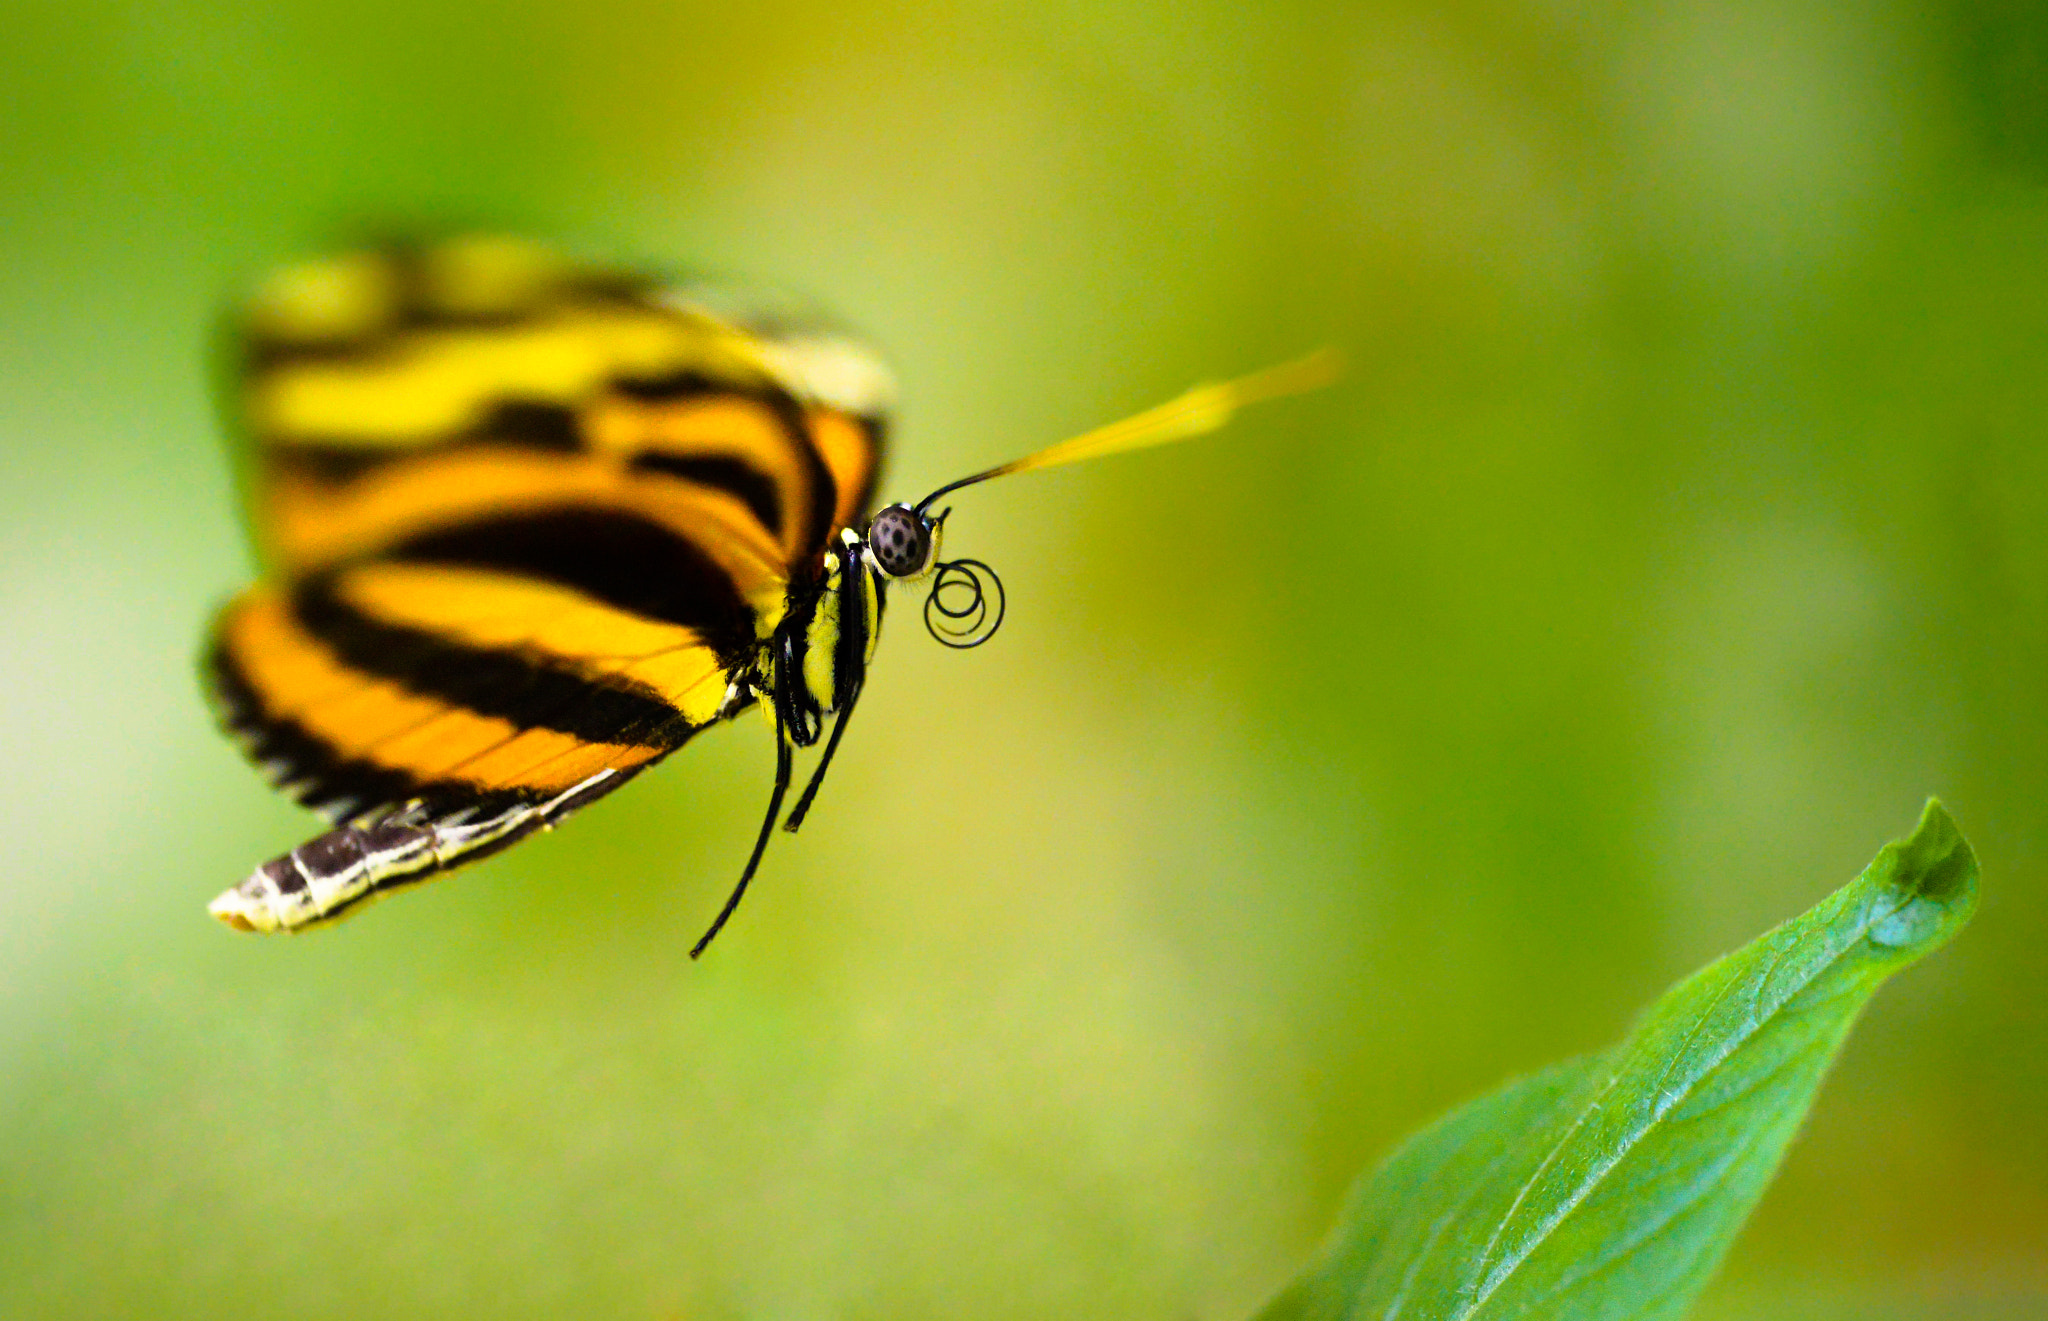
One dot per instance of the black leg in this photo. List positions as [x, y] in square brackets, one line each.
[782, 770]
[803, 804]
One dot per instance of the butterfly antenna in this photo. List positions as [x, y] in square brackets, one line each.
[783, 762]
[1198, 412]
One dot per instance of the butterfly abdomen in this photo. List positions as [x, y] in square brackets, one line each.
[326, 877]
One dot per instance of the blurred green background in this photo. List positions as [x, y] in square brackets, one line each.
[1682, 523]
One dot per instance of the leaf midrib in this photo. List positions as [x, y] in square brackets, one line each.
[1510, 1265]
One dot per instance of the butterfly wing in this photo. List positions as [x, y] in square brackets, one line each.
[527, 524]
[491, 349]
[437, 713]
[847, 388]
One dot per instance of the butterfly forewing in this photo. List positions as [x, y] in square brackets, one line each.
[527, 524]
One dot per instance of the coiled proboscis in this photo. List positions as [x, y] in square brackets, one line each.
[959, 611]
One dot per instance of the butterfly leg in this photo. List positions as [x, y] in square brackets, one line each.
[803, 803]
[784, 759]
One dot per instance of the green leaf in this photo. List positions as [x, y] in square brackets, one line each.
[1610, 1187]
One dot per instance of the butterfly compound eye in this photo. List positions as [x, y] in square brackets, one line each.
[900, 541]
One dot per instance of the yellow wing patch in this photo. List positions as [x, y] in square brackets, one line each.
[481, 609]
[429, 384]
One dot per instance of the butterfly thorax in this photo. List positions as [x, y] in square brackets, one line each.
[815, 658]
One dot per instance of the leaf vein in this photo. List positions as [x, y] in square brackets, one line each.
[1599, 1171]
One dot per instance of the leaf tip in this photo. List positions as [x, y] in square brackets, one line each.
[1934, 871]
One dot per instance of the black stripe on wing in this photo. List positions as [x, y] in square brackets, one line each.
[314, 774]
[789, 416]
[555, 428]
[609, 555]
[520, 686]
[524, 424]
[737, 478]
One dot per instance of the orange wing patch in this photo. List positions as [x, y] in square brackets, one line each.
[380, 724]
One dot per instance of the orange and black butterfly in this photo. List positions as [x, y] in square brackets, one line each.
[529, 526]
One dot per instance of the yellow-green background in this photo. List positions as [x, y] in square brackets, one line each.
[1683, 521]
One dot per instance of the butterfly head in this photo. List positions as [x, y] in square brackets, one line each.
[903, 542]
[965, 604]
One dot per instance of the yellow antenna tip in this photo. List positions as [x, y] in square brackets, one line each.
[1315, 371]
[1200, 410]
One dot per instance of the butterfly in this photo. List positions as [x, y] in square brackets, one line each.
[529, 526]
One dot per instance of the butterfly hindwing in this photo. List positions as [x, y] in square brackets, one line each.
[519, 703]
[527, 525]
